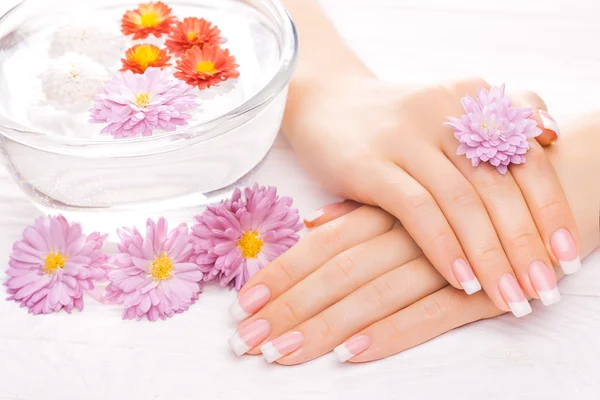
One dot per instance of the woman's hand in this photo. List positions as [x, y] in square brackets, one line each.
[387, 146]
[366, 283]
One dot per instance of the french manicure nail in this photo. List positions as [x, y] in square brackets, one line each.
[250, 302]
[549, 123]
[250, 336]
[565, 250]
[282, 346]
[544, 283]
[513, 295]
[309, 220]
[352, 347]
[464, 274]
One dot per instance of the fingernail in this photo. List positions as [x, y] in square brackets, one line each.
[513, 295]
[282, 346]
[309, 220]
[352, 347]
[250, 302]
[464, 274]
[250, 336]
[544, 283]
[549, 123]
[565, 250]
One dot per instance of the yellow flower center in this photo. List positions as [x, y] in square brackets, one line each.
[73, 72]
[144, 55]
[53, 261]
[161, 268]
[206, 67]
[191, 35]
[483, 125]
[142, 100]
[149, 19]
[250, 244]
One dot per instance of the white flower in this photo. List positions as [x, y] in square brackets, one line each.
[101, 42]
[73, 80]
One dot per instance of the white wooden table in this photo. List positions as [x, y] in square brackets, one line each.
[546, 45]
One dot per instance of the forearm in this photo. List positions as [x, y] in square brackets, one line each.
[576, 159]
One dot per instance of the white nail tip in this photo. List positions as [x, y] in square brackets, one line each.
[549, 297]
[314, 215]
[520, 309]
[270, 352]
[471, 286]
[342, 352]
[237, 312]
[548, 122]
[570, 267]
[238, 346]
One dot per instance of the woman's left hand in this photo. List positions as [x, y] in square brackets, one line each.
[366, 283]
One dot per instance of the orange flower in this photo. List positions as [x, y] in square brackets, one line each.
[149, 18]
[142, 56]
[192, 32]
[205, 67]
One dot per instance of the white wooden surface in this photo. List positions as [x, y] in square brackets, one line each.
[546, 45]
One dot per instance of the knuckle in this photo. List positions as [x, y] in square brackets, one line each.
[324, 327]
[286, 312]
[524, 240]
[393, 328]
[488, 255]
[433, 308]
[329, 237]
[379, 291]
[489, 181]
[536, 159]
[284, 270]
[418, 200]
[462, 195]
[553, 210]
[344, 263]
[442, 239]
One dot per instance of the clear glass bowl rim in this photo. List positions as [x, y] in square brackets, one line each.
[287, 63]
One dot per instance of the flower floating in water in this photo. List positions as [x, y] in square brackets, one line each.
[154, 277]
[492, 130]
[192, 32]
[148, 19]
[137, 104]
[53, 265]
[73, 80]
[141, 56]
[235, 239]
[207, 66]
[101, 41]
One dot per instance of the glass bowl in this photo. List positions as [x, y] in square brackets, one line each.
[117, 181]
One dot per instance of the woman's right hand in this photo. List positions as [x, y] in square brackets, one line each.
[387, 146]
[367, 284]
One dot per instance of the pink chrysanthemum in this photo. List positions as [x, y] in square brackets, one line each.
[54, 264]
[235, 239]
[492, 130]
[137, 104]
[154, 277]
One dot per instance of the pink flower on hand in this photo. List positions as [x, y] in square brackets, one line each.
[235, 239]
[54, 264]
[138, 104]
[154, 277]
[492, 130]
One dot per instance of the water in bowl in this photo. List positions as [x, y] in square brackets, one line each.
[116, 183]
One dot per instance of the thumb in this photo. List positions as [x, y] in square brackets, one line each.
[550, 130]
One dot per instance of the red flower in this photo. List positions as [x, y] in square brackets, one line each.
[207, 66]
[141, 56]
[192, 32]
[149, 18]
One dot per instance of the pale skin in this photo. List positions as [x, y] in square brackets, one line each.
[386, 145]
[367, 277]
[363, 273]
